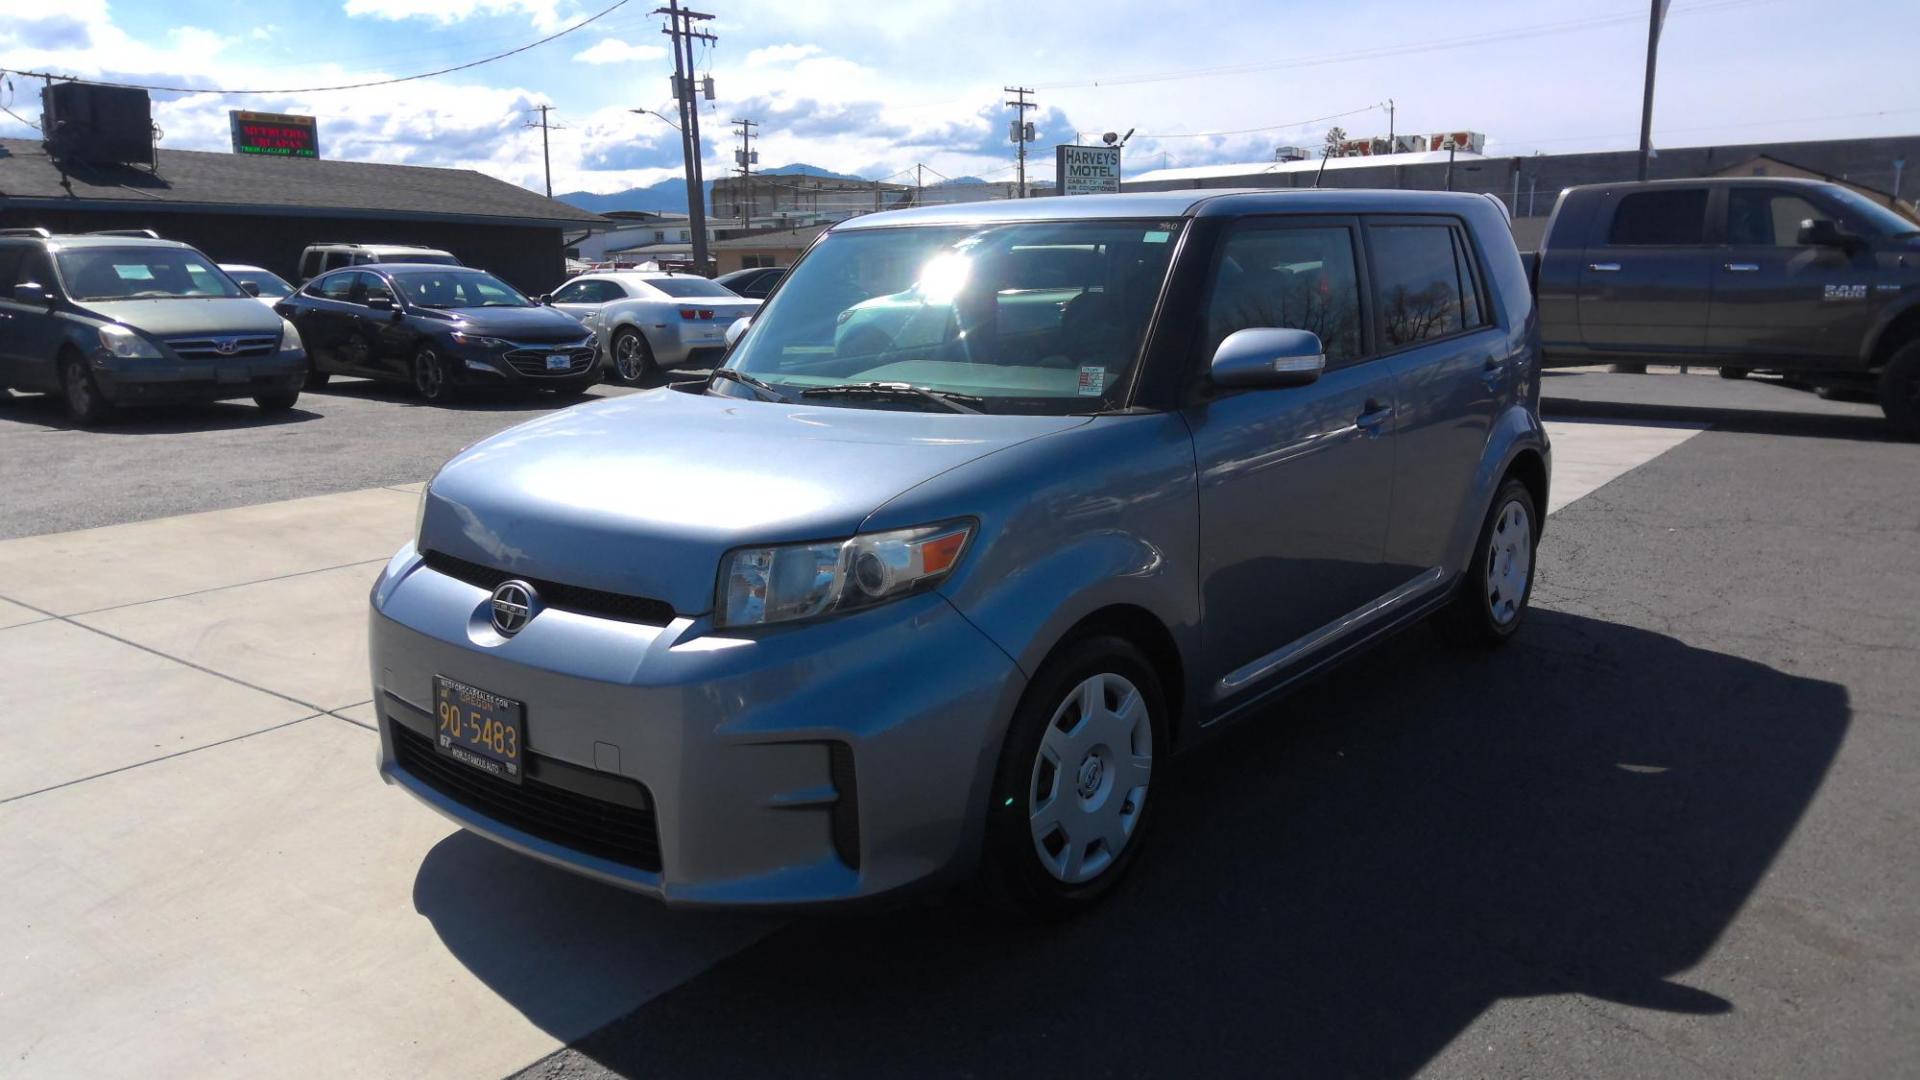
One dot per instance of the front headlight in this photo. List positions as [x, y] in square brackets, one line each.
[465, 338]
[289, 337]
[124, 343]
[800, 581]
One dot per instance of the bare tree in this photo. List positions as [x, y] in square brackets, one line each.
[1335, 136]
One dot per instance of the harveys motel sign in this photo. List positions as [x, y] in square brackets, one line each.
[274, 134]
[1086, 170]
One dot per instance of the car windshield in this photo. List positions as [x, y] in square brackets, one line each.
[269, 284]
[142, 273]
[455, 289]
[690, 286]
[1869, 218]
[1031, 317]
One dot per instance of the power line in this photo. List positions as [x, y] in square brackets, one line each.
[1269, 127]
[618, 4]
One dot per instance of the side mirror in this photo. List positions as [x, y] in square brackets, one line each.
[1268, 357]
[32, 292]
[544, 299]
[736, 328]
[1821, 232]
[379, 303]
[251, 288]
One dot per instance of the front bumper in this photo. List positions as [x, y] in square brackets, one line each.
[125, 381]
[523, 365]
[813, 764]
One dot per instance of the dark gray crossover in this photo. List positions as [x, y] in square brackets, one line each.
[991, 510]
[126, 318]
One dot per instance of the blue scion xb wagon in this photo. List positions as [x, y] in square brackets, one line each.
[991, 509]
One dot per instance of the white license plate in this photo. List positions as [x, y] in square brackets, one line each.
[559, 362]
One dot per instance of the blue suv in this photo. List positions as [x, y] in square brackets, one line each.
[991, 510]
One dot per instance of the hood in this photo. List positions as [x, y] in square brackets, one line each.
[641, 495]
[528, 324]
[179, 316]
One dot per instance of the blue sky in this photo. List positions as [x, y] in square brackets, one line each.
[876, 88]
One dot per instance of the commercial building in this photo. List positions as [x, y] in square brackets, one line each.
[264, 210]
[777, 247]
[1530, 184]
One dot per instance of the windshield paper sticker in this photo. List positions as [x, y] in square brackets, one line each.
[134, 272]
[1156, 237]
[1093, 381]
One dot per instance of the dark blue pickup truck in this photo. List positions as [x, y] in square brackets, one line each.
[1806, 278]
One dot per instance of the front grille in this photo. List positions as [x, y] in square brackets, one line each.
[623, 832]
[236, 348]
[533, 361]
[575, 598]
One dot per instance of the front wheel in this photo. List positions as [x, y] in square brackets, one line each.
[1492, 600]
[277, 403]
[1733, 373]
[429, 375]
[1900, 391]
[86, 406]
[632, 357]
[1069, 808]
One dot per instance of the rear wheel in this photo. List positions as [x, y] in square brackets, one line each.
[429, 375]
[1492, 601]
[632, 357]
[1068, 812]
[1628, 369]
[1900, 390]
[315, 377]
[86, 406]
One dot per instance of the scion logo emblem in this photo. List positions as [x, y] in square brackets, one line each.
[512, 607]
[226, 346]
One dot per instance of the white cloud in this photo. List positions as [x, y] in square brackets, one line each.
[615, 51]
[781, 54]
[546, 15]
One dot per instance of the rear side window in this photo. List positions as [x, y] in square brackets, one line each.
[1649, 218]
[336, 287]
[1416, 272]
[1289, 278]
[337, 259]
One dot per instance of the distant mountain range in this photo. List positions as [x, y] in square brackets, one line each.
[670, 195]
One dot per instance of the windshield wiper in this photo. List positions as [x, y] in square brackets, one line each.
[956, 402]
[763, 388]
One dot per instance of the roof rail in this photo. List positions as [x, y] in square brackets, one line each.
[30, 230]
[148, 233]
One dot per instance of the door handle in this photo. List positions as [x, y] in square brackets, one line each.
[1604, 268]
[1742, 268]
[1375, 416]
[1492, 371]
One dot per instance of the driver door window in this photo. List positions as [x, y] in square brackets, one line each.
[1299, 278]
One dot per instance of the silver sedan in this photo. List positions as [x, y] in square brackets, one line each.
[649, 319]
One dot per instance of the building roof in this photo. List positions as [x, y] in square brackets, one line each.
[1257, 168]
[1136, 204]
[243, 183]
[778, 240]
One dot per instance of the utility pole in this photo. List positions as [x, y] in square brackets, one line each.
[680, 27]
[546, 154]
[745, 159]
[1021, 131]
[1655, 17]
[1389, 106]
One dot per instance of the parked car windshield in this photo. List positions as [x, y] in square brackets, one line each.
[141, 273]
[689, 286]
[1033, 317]
[269, 284]
[455, 289]
[1869, 218]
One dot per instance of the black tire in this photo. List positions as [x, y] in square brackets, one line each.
[86, 405]
[277, 403]
[1900, 391]
[1484, 610]
[315, 377]
[632, 362]
[1733, 373]
[1628, 369]
[429, 372]
[1012, 873]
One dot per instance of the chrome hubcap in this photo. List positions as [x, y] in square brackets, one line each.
[79, 393]
[626, 356]
[1509, 562]
[426, 374]
[1089, 781]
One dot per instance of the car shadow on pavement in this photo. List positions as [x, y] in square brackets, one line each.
[1337, 888]
[48, 411]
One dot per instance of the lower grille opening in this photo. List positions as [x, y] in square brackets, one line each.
[623, 832]
[845, 821]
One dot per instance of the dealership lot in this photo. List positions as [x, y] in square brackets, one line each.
[1671, 831]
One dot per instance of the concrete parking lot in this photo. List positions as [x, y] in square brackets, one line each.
[1672, 831]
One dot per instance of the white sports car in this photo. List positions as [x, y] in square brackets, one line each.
[650, 319]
